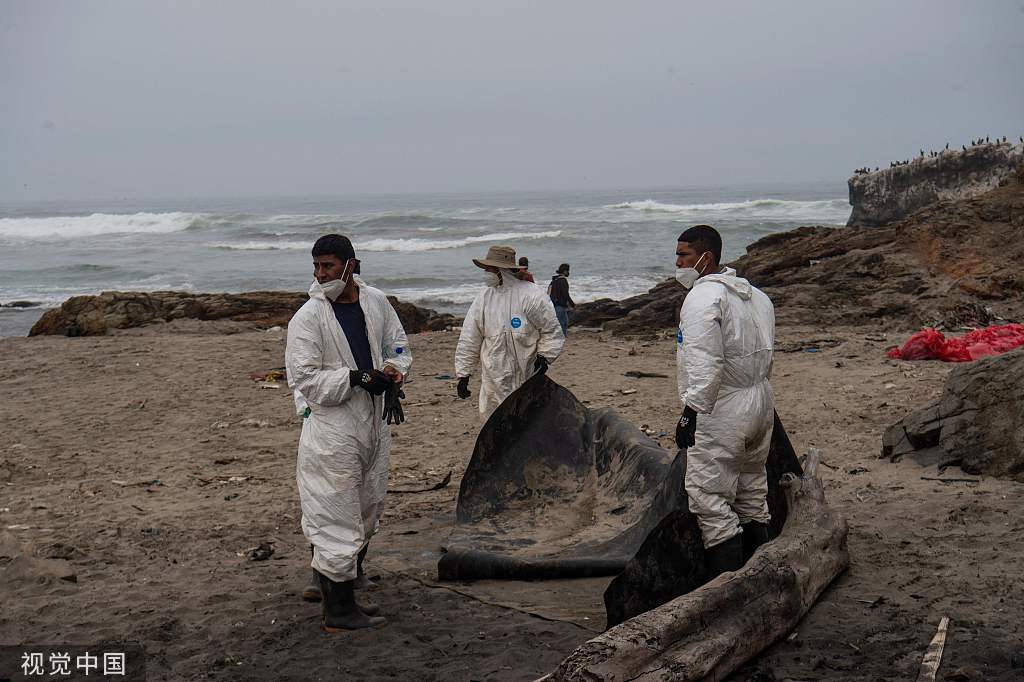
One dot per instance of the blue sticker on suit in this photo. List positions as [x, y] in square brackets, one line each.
[516, 323]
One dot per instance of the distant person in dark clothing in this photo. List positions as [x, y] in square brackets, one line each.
[558, 290]
[525, 273]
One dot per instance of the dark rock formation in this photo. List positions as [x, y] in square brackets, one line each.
[416, 320]
[892, 194]
[926, 270]
[95, 315]
[978, 423]
[653, 311]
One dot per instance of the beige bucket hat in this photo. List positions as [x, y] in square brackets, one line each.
[499, 257]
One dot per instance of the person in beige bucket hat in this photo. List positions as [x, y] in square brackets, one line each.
[499, 257]
[510, 332]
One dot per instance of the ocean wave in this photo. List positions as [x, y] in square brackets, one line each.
[99, 224]
[825, 210]
[411, 244]
[583, 289]
[260, 246]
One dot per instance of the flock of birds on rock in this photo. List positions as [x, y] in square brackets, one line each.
[932, 154]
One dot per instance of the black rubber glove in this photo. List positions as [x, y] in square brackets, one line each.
[463, 388]
[686, 428]
[374, 381]
[540, 365]
[393, 412]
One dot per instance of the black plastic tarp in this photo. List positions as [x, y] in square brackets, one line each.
[557, 490]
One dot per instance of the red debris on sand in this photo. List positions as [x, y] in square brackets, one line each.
[929, 344]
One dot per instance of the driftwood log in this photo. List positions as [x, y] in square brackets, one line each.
[708, 633]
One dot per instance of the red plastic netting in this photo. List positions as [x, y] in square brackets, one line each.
[929, 344]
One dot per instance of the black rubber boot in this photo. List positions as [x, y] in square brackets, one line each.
[362, 582]
[755, 534]
[311, 592]
[340, 611]
[724, 557]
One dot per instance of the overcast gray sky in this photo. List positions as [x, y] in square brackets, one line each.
[168, 99]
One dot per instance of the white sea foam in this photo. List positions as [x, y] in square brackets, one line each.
[823, 210]
[98, 224]
[586, 288]
[392, 244]
[260, 246]
[416, 244]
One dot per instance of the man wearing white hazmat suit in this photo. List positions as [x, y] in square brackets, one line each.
[724, 359]
[510, 331]
[346, 357]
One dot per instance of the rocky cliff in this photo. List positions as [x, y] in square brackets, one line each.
[889, 195]
[96, 315]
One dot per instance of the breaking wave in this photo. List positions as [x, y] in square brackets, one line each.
[385, 244]
[824, 210]
[99, 224]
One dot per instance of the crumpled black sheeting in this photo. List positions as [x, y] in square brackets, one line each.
[543, 428]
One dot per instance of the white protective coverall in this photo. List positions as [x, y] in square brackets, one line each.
[344, 449]
[724, 359]
[505, 330]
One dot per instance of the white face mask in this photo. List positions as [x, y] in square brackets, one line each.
[689, 276]
[491, 279]
[333, 289]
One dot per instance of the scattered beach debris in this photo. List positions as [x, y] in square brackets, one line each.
[951, 480]
[930, 344]
[264, 551]
[933, 656]
[872, 603]
[443, 483]
[809, 345]
[636, 374]
[252, 421]
[148, 482]
[271, 375]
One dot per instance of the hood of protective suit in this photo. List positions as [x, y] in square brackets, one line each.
[728, 278]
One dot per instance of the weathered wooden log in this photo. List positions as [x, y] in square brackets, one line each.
[708, 633]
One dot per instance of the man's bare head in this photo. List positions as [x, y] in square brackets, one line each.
[697, 242]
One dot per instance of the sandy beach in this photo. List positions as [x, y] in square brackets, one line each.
[151, 464]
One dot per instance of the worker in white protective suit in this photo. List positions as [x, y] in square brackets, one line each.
[510, 331]
[346, 357]
[724, 359]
